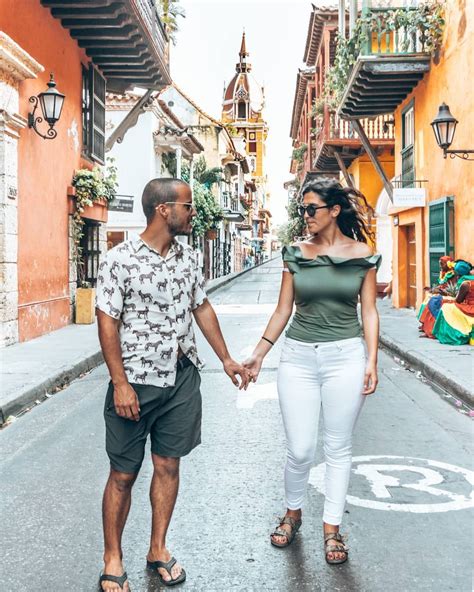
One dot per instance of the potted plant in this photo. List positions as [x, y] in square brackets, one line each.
[90, 193]
[209, 212]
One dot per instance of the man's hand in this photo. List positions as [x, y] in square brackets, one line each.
[370, 379]
[232, 368]
[253, 365]
[126, 402]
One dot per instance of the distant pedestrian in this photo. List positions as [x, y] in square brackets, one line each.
[324, 364]
[147, 289]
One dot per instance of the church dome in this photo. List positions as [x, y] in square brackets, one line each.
[243, 86]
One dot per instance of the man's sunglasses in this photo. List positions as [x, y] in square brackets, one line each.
[310, 209]
[187, 204]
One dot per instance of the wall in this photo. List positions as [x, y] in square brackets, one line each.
[449, 81]
[366, 177]
[135, 162]
[45, 170]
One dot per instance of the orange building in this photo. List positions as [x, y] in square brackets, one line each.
[37, 276]
[403, 76]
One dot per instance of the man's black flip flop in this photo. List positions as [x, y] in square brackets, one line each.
[155, 565]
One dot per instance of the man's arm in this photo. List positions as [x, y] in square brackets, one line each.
[125, 398]
[207, 321]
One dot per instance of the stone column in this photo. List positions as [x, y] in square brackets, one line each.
[16, 65]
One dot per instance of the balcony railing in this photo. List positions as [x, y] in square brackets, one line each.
[335, 128]
[156, 30]
[388, 35]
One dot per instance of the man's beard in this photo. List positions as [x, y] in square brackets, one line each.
[176, 228]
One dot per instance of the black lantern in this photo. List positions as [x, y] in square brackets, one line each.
[444, 126]
[51, 101]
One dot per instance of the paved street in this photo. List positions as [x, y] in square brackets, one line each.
[408, 524]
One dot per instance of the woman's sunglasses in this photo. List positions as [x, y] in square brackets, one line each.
[310, 209]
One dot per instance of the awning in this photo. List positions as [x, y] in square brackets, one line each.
[233, 216]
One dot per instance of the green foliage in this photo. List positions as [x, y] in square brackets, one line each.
[427, 20]
[295, 227]
[299, 153]
[169, 11]
[209, 212]
[169, 161]
[207, 177]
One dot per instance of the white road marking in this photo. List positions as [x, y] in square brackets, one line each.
[379, 482]
[256, 392]
[244, 309]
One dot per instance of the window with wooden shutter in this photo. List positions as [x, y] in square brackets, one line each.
[441, 233]
[98, 116]
[93, 114]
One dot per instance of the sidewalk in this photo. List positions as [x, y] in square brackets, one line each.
[448, 367]
[32, 371]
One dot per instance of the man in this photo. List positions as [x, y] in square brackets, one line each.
[147, 289]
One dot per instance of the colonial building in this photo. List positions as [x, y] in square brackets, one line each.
[38, 276]
[407, 74]
[324, 143]
[242, 114]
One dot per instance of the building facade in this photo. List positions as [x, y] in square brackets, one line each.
[408, 76]
[38, 275]
[242, 114]
[324, 144]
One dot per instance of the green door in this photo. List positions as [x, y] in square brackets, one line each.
[441, 233]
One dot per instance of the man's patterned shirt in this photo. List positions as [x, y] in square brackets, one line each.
[153, 296]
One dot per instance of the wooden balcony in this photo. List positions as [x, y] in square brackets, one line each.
[337, 135]
[389, 66]
[124, 38]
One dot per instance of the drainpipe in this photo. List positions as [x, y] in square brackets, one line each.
[342, 18]
[352, 16]
[179, 155]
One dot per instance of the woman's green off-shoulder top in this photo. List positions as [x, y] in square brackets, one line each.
[326, 295]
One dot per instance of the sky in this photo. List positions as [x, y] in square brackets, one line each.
[204, 59]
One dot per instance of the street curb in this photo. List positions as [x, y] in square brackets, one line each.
[39, 391]
[217, 283]
[62, 378]
[418, 362]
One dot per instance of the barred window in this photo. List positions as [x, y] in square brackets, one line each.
[90, 252]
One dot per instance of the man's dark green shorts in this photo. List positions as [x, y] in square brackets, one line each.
[171, 415]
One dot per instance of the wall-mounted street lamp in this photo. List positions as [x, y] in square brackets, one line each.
[444, 126]
[51, 101]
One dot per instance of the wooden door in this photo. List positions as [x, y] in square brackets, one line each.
[411, 265]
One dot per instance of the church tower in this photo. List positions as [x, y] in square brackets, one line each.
[242, 113]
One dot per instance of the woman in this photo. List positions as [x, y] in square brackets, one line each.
[323, 361]
[455, 321]
[434, 300]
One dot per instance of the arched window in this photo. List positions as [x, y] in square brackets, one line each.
[241, 110]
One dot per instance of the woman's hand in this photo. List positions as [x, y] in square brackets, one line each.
[370, 378]
[253, 365]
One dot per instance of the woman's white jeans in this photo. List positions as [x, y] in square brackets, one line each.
[314, 376]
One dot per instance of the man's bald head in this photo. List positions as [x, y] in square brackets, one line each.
[159, 191]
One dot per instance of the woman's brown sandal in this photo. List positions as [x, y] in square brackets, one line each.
[339, 547]
[281, 532]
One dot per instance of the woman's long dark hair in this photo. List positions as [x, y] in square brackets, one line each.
[354, 217]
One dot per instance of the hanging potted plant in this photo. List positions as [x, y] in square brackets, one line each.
[90, 193]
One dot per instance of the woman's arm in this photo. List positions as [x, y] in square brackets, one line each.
[370, 323]
[275, 325]
[463, 290]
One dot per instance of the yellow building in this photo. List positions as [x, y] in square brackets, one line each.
[404, 76]
[242, 114]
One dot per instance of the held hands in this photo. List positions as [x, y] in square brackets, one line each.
[253, 365]
[370, 378]
[126, 402]
[232, 369]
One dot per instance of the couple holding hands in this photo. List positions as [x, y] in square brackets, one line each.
[149, 290]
